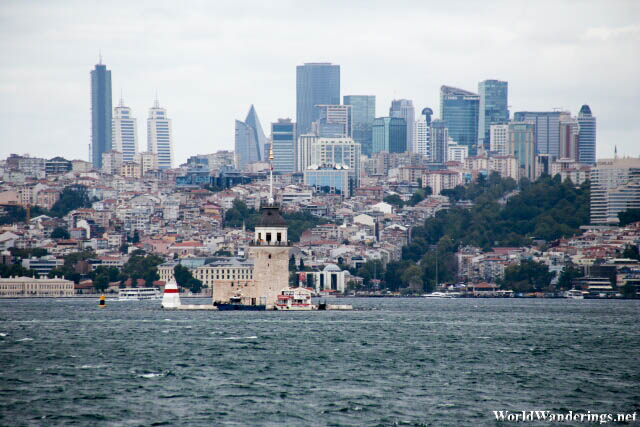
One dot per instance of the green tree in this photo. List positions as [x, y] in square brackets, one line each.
[185, 279]
[629, 216]
[568, 275]
[72, 197]
[141, 266]
[527, 276]
[59, 233]
[394, 200]
[631, 251]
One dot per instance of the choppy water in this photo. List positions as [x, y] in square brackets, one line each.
[395, 361]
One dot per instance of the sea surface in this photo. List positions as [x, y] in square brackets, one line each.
[391, 361]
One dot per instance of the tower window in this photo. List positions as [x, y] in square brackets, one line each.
[279, 237]
[268, 237]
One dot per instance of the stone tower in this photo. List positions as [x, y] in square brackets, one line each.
[270, 253]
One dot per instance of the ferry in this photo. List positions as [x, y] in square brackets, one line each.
[298, 299]
[438, 295]
[574, 294]
[139, 294]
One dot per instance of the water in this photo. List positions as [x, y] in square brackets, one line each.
[393, 361]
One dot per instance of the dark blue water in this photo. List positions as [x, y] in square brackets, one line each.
[393, 362]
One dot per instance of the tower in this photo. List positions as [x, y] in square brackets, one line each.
[403, 108]
[100, 113]
[159, 136]
[125, 132]
[587, 136]
[363, 112]
[494, 108]
[249, 140]
[459, 109]
[316, 84]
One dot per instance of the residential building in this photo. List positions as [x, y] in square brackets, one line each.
[615, 187]
[147, 160]
[363, 112]
[159, 136]
[57, 166]
[403, 108]
[317, 83]
[494, 108]
[100, 113]
[547, 128]
[499, 139]
[130, 170]
[389, 134]
[441, 180]
[124, 132]
[249, 140]
[112, 162]
[587, 136]
[283, 137]
[459, 109]
[522, 145]
[457, 153]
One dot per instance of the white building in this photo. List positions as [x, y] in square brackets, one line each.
[124, 132]
[303, 151]
[147, 161]
[159, 136]
[499, 139]
[22, 287]
[422, 138]
[441, 180]
[506, 166]
[615, 187]
[338, 151]
[457, 153]
[112, 162]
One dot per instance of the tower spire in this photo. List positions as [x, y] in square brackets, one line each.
[156, 103]
[99, 56]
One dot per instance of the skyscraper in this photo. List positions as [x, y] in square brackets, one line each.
[316, 84]
[615, 187]
[389, 134]
[338, 152]
[250, 140]
[499, 139]
[333, 121]
[100, 113]
[124, 132]
[459, 109]
[363, 112]
[547, 128]
[494, 108]
[283, 137]
[159, 135]
[569, 132]
[522, 145]
[439, 141]
[403, 108]
[587, 136]
[421, 137]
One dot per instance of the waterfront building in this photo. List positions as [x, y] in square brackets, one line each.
[343, 152]
[522, 145]
[403, 108]
[494, 108]
[547, 128]
[24, 287]
[459, 109]
[439, 142]
[333, 121]
[100, 113]
[283, 137]
[124, 132]
[587, 136]
[499, 139]
[389, 134]
[159, 136]
[615, 187]
[249, 140]
[363, 112]
[317, 83]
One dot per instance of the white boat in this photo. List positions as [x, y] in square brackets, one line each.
[574, 294]
[139, 294]
[438, 295]
[294, 299]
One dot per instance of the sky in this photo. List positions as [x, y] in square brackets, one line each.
[209, 61]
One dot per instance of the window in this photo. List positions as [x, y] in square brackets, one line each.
[268, 237]
[279, 237]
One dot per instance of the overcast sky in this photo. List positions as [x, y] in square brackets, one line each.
[210, 60]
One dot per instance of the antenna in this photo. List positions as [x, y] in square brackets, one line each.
[121, 98]
[99, 56]
[156, 103]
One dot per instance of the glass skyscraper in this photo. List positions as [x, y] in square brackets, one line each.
[439, 142]
[363, 113]
[316, 84]
[403, 108]
[587, 136]
[101, 118]
[250, 140]
[494, 108]
[547, 129]
[389, 134]
[283, 136]
[459, 109]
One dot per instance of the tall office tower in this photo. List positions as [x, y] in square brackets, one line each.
[317, 83]
[494, 108]
[333, 121]
[159, 135]
[569, 133]
[615, 187]
[499, 139]
[522, 145]
[547, 126]
[250, 140]
[124, 132]
[439, 141]
[338, 152]
[100, 113]
[389, 134]
[587, 138]
[459, 109]
[363, 112]
[403, 108]
[303, 151]
[421, 137]
[283, 137]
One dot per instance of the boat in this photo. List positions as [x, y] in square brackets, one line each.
[139, 294]
[574, 294]
[294, 299]
[237, 302]
[438, 295]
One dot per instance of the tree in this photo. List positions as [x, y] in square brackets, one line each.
[185, 279]
[568, 274]
[59, 233]
[412, 278]
[394, 200]
[292, 263]
[72, 197]
[631, 251]
[527, 276]
[629, 216]
[141, 266]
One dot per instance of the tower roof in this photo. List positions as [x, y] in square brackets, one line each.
[585, 110]
[271, 217]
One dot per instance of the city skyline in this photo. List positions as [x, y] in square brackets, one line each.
[45, 85]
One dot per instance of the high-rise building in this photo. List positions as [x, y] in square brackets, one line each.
[124, 132]
[615, 187]
[338, 152]
[421, 137]
[587, 138]
[100, 113]
[403, 108]
[569, 132]
[159, 135]
[363, 112]
[547, 127]
[439, 141]
[250, 140]
[459, 109]
[333, 121]
[494, 108]
[522, 145]
[389, 134]
[303, 151]
[317, 83]
[283, 137]
[499, 139]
